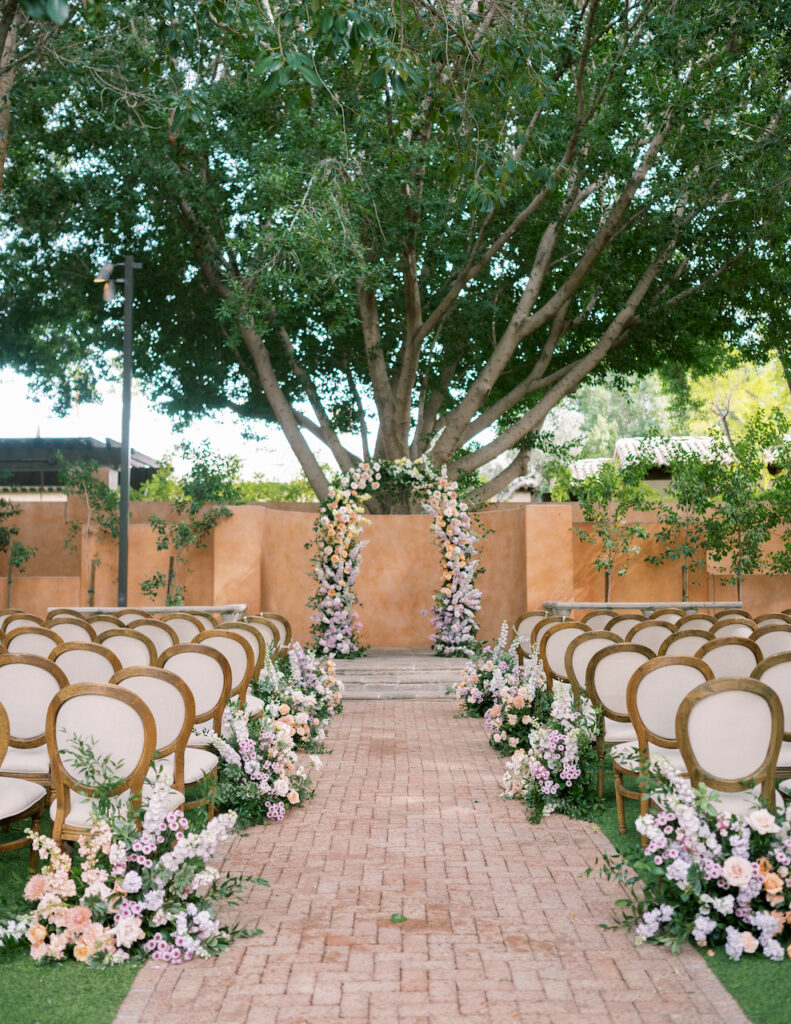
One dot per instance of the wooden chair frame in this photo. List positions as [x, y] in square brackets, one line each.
[538, 630]
[35, 811]
[133, 613]
[633, 636]
[284, 623]
[133, 634]
[256, 643]
[77, 645]
[31, 631]
[595, 699]
[65, 784]
[553, 631]
[765, 774]
[695, 615]
[723, 613]
[74, 621]
[764, 631]
[577, 687]
[240, 690]
[783, 617]
[723, 623]
[169, 617]
[113, 620]
[702, 634]
[31, 742]
[782, 658]
[659, 612]
[23, 618]
[633, 617]
[214, 714]
[535, 615]
[729, 641]
[158, 624]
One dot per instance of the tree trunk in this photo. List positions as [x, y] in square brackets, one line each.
[171, 579]
[685, 583]
[10, 580]
[92, 586]
[8, 26]
[607, 585]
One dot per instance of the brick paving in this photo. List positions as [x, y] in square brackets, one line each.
[502, 922]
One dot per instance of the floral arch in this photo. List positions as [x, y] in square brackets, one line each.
[337, 554]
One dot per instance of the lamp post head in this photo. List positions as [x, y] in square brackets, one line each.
[104, 277]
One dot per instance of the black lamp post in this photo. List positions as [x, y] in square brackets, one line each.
[128, 280]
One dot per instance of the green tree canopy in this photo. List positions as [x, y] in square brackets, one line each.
[450, 214]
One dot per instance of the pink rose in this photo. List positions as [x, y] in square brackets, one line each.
[737, 871]
[749, 942]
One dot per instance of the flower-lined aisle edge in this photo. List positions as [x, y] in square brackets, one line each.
[337, 554]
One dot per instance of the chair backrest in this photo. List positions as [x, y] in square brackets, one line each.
[554, 644]
[740, 628]
[117, 724]
[672, 615]
[525, 623]
[206, 619]
[71, 630]
[685, 644]
[772, 639]
[170, 701]
[608, 675]
[654, 695]
[622, 624]
[5, 734]
[696, 620]
[85, 663]
[728, 613]
[729, 732]
[6, 613]
[31, 640]
[130, 646]
[581, 650]
[772, 619]
[101, 623]
[238, 653]
[16, 620]
[597, 619]
[266, 630]
[27, 685]
[127, 615]
[541, 627]
[69, 613]
[730, 655]
[283, 625]
[775, 672]
[256, 641]
[208, 675]
[186, 626]
[651, 633]
[159, 633]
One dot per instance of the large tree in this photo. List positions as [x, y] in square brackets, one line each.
[448, 213]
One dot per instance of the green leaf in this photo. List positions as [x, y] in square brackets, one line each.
[397, 918]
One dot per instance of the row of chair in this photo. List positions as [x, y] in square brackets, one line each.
[184, 686]
[652, 703]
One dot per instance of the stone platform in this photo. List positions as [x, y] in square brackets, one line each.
[398, 673]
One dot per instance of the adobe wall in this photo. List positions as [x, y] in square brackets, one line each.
[530, 554]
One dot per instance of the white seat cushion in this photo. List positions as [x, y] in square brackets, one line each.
[742, 803]
[618, 732]
[26, 761]
[197, 764]
[783, 758]
[79, 815]
[254, 705]
[18, 796]
[197, 738]
[627, 757]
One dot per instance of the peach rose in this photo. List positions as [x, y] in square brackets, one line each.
[82, 952]
[293, 797]
[737, 871]
[764, 866]
[36, 934]
[77, 919]
[773, 884]
[284, 709]
[35, 888]
[749, 942]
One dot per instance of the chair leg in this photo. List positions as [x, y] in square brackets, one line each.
[619, 795]
[600, 776]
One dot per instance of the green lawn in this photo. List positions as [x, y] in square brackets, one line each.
[51, 993]
[760, 986]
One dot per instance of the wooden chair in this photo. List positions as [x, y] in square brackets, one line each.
[6, 613]
[239, 655]
[772, 639]
[32, 640]
[772, 619]
[282, 623]
[206, 619]
[579, 653]
[159, 633]
[671, 615]
[685, 644]
[653, 696]
[696, 620]
[727, 613]
[267, 631]
[85, 663]
[651, 633]
[623, 624]
[131, 647]
[172, 704]
[71, 630]
[525, 624]
[186, 626]
[16, 620]
[69, 613]
[730, 731]
[598, 620]
[606, 682]
[554, 644]
[730, 656]
[256, 641]
[739, 628]
[775, 672]
[541, 627]
[101, 623]
[27, 685]
[208, 675]
[119, 726]
[127, 615]
[19, 799]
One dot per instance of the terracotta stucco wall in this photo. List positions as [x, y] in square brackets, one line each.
[530, 555]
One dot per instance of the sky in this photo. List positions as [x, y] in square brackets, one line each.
[23, 414]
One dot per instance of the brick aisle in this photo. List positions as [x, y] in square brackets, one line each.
[502, 923]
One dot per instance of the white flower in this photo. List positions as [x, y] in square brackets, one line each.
[132, 882]
[763, 822]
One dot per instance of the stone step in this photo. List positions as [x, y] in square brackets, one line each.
[398, 674]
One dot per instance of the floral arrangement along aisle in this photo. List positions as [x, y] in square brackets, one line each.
[550, 737]
[131, 893]
[707, 875]
[337, 554]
